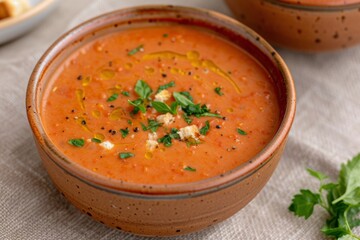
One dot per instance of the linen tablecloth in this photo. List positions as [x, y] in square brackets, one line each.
[326, 132]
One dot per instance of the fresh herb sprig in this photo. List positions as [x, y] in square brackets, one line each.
[144, 91]
[135, 50]
[340, 199]
[192, 109]
[166, 86]
[164, 108]
[153, 125]
[167, 139]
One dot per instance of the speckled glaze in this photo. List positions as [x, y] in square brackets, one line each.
[301, 27]
[160, 210]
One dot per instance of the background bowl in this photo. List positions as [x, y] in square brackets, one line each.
[160, 210]
[301, 27]
[14, 27]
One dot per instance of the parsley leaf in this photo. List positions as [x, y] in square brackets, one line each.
[124, 132]
[303, 203]
[125, 155]
[218, 91]
[164, 108]
[341, 200]
[182, 100]
[187, 119]
[113, 97]
[165, 35]
[205, 129]
[77, 142]
[96, 140]
[139, 106]
[153, 125]
[190, 169]
[135, 50]
[143, 89]
[241, 132]
[187, 95]
[167, 139]
[125, 93]
[166, 86]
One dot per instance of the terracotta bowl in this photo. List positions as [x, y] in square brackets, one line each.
[160, 210]
[306, 25]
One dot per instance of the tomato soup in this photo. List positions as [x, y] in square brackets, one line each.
[160, 105]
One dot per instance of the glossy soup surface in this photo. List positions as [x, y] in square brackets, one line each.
[87, 114]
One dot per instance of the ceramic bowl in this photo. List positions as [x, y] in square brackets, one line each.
[12, 28]
[306, 25]
[160, 209]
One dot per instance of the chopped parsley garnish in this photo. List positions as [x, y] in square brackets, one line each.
[124, 132]
[113, 97]
[190, 169]
[77, 142]
[187, 94]
[138, 106]
[190, 108]
[125, 155]
[125, 93]
[341, 201]
[166, 86]
[241, 132]
[96, 140]
[135, 50]
[143, 89]
[182, 100]
[187, 119]
[153, 125]
[164, 108]
[218, 91]
[205, 129]
[167, 139]
[165, 35]
[129, 122]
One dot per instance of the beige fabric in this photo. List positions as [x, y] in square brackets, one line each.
[326, 132]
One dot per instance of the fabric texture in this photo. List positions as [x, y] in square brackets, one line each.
[325, 133]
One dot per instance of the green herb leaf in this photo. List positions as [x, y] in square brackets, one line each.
[241, 132]
[348, 237]
[124, 132]
[165, 35]
[187, 95]
[303, 203]
[77, 142]
[125, 155]
[129, 122]
[341, 201]
[153, 125]
[167, 139]
[218, 91]
[317, 174]
[143, 89]
[135, 50]
[139, 105]
[350, 181]
[205, 129]
[163, 107]
[125, 93]
[113, 97]
[166, 86]
[190, 169]
[182, 100]
[96, 140]
[187, 119]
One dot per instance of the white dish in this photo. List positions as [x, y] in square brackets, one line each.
[14, 27]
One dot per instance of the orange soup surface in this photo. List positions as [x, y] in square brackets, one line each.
[167, 104]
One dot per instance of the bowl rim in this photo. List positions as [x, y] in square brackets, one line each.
[161, 191]
[315, 8]
[33, 11]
